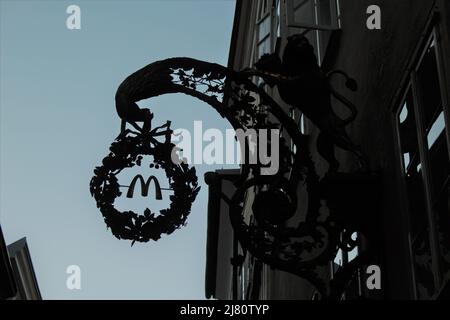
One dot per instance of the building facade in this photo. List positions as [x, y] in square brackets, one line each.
[7, 284]
[403, 76]
[23, 270]
[18, 279]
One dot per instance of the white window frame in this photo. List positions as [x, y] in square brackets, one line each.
[272, 35]
[335, 18]
[413, 86]
[316, 27]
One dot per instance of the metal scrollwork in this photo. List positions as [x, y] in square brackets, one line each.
[304, 249]
[125, 152]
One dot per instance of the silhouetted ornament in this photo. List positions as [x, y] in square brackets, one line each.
[125, 152]
[274, 206]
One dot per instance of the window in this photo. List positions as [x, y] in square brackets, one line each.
[267, 29]
[268, 25]
[263, 26]
[316, 18]
[412, 172]
[277, 19]
[423, 138]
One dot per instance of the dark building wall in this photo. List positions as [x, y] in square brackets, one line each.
[378, 60]
[8, 287]
[23, 270]
[381, 62]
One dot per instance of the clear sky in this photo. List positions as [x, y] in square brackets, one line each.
[57, 120]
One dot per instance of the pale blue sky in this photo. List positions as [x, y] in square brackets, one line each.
[57, 120]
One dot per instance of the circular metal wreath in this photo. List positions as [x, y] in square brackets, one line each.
[126, 152]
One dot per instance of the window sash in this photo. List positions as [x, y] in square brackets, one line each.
[431, 197]
[264, 16]
[319, 31]
[443, 89]
[426, 171]
[260, 10]
[335, 16]
[443, 106]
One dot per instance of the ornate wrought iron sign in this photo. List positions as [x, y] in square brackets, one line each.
[304, 249]
[125, 152]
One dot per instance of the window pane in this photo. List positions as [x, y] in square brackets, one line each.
[324, 12]
[264, 47]
[263, 8]
[430, 87]
[408, 135]
[278, 18]
[437, 128]
[438, 154]
[264, 28]
[325, 19]
[304, 11]
[320, 12]
[416, 198]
